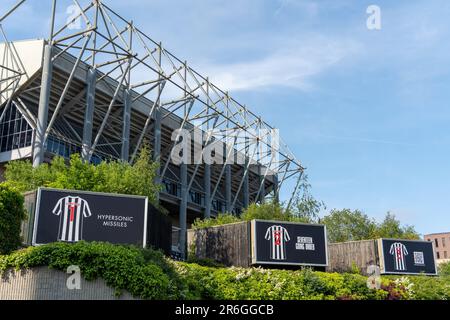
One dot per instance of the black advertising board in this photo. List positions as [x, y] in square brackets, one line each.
[72, 216]
[288, 243]
[406, 257]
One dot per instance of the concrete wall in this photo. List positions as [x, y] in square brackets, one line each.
[43, 283]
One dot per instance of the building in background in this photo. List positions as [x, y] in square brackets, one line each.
[441, 243]
[101, 87]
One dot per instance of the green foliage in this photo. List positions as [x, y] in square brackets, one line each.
[11, 215]
[222, 218]
[270, 210]
[206, 262]
[113, 176]
[435, 288]
[262, 284]
[22, 176]
[143, 273]
[346, 225]
[444, 269]
[355, 269]
[304, 205]
[147, 274]
[391, 227]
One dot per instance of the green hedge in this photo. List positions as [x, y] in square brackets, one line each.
[444, 269]
[144, 273]
[147, 274]
[267, 284]
[11, 215]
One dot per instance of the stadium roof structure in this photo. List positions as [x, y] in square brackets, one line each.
[104, 87]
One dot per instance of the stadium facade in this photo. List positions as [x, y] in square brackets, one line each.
[99, 86]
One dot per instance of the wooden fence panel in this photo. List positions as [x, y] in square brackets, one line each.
[342, 256]
[227, 244]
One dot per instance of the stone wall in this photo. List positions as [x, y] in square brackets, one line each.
[43, 283]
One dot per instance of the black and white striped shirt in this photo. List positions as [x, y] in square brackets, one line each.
[398, 250]
[278, 237]
[72, 211]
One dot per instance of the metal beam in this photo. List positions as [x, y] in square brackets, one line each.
[183, 209]
[228, 188]
[246, 199]
[14, 8]
[126, 125]
[276, 194]
[89, 113]
[125, 153]
[156, 128]
[44, 100]
[207, 187]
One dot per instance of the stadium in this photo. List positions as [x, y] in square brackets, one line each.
[100, 86]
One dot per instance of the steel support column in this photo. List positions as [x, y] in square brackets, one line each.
[126, 118]
[207, 185]
[184, 192]
[183, 209]
[246, 199]
[157, 128]
[276, 194]
[228, 188]
[207, 172]
[89, 113]
[262, 191]
[228, 201]
[125, 154]
[44, 100]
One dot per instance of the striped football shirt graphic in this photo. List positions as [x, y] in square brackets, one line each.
[398, 250]
[71, 212]
[278, 236]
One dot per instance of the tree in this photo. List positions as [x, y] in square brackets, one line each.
[390, 227]
[304, 206]
[109, 176]
[346, 225]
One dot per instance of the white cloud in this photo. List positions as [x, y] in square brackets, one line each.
[293, 66]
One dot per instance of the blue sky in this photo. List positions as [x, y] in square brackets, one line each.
[366, 111]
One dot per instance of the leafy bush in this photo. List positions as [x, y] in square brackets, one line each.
[444, 269]
[431, 288]
[222, 218]
[271, 210]
[142, 272]
[147, 274]
[11, 215]
[113, 176]
[265, 211]
[206, 262]
[263, 284]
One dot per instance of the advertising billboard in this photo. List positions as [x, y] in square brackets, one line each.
[72, 216]
[406, 257]
[288, 243]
